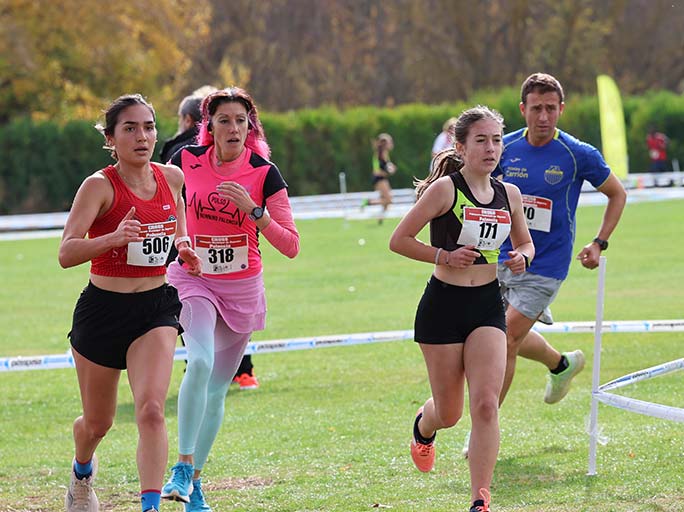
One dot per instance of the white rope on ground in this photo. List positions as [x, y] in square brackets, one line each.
[664, 412]
[55, 361]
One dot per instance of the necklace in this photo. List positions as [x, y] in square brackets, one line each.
[132, 182]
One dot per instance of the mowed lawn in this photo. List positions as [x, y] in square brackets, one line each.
[328, 430]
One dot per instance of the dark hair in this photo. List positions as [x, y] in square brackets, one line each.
[449, 161]
[112, 116]
[119, 105]
[541, 83]
[190, 106]
[256, 138]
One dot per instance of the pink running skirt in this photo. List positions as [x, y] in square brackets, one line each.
[240, 302]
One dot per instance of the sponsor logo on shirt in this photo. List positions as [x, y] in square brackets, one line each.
[516, 172]
[553, 175]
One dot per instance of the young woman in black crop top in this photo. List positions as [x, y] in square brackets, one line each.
[460, 322]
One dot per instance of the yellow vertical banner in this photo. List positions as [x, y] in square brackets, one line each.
[613, 137]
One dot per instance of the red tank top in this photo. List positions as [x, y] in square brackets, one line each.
[158, 216]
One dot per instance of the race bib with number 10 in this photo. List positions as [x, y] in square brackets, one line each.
[538, 212]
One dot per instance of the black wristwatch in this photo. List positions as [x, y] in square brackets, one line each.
[527, 260]
[257, 213]
[603, 244]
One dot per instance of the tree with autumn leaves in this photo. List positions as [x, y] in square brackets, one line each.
[67, 59]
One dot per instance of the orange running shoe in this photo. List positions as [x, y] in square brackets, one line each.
[484, 507]
[423, 455]
[247, 381]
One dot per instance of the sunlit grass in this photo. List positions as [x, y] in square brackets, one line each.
[329, 428]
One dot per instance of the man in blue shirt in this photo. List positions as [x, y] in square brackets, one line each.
[549, 167]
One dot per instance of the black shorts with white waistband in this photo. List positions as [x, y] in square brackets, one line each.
[448, 314]
[106, 323]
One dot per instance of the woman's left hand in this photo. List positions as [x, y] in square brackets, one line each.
[516, 262]
[237, 194]
[194, 263]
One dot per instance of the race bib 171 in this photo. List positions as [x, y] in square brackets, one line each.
[484, 228]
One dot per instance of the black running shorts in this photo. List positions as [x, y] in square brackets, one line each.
[105, 323]
[448, 314]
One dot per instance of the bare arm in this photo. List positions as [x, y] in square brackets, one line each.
[92, 200]
[521, 240]
[434, 202]
[617, 197]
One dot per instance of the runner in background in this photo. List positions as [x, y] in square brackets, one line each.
[383, 168]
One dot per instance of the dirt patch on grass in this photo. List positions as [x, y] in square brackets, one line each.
[238, 484]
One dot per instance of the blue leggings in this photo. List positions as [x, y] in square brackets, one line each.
[214, 354]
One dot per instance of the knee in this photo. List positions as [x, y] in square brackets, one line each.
[199, 368]
[485, 410]
[150, 414]
[513, 344]
[448, 417]
[96, 428]
[216, 398]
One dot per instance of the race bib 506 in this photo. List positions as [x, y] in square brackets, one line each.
[154, 249]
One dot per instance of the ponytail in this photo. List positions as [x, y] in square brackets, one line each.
[444, 163]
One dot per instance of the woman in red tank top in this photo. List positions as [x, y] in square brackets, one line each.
[123, 220]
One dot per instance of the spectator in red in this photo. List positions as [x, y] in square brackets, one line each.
[657, 150]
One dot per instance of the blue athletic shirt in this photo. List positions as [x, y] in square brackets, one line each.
[550, 178]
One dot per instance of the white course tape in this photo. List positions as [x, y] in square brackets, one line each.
[664, 412]
[640, 375]
[617, 326]
[50, 362]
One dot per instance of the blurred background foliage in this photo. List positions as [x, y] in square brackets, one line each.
[327, 76]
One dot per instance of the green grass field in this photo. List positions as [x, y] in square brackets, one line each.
[329, 428]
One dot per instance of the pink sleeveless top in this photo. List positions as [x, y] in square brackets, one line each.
[213, 222]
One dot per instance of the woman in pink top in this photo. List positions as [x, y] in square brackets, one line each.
[234, 194]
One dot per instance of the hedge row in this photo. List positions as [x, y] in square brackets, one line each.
[42, 164]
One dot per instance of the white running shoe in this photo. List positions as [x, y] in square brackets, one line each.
[80, 496]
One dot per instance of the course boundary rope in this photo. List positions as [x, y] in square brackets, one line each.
[57, 361]
[599, 393]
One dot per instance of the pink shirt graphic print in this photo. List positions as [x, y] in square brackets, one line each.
[222, 235]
